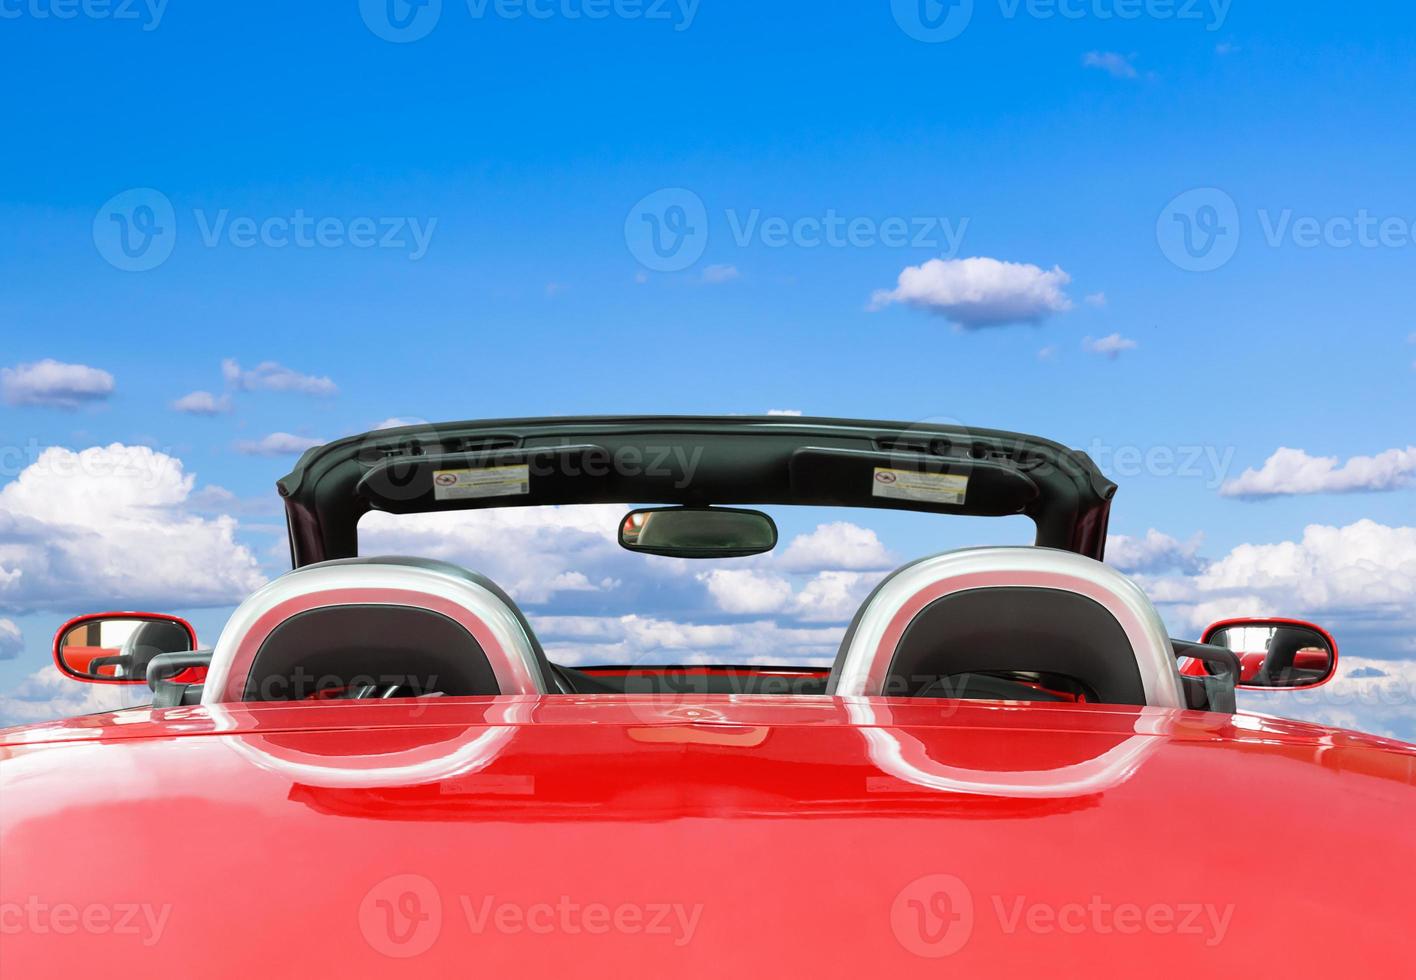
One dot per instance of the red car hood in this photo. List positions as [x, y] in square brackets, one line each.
[700, 836]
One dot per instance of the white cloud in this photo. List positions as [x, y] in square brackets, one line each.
[791, 412]
[1096, 299]
[278, 444]
[1293, 471]
[1048, 353]
[53, 384]
[822, 576]
[839, 545]
[1110, 346]
[47, 695]
[535, 553]
[1362, 575]
[111, 526]
[637, 639]
[202, 403]
[12, 641]
[270, 376]
[717, 274]
[399, 422]
[1154, 552]
[1114, 64]
[980, 292]
[747, 591]
[834, 596]
[1367, 695]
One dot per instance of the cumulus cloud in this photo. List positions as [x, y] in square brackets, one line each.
[980, 292]
[270, 376]
[12, 642]
[717, 274]
[1153, 552]
[111, 526]
[54, 384]
[535, 553]
[790, 412]
[1366, 695]
[278, 444]
[47, 695]
[1096, 299]
[1360, 577]
[1112, 346]
[636, 639]
[202, 403]
[839, 545]
[746, 590]
[822, 576]
[1293, 471]
[1114, 64]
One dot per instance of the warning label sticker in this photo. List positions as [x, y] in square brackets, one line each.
[934, 488]
[493, 481]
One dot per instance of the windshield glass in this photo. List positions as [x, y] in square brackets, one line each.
[592, 603]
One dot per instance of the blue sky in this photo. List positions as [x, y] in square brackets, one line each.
[1041, 138]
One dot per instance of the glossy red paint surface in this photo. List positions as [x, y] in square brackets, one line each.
[702, 836]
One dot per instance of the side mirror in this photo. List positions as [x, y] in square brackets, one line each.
[698, 532]
[1277, 653]
[115, 648]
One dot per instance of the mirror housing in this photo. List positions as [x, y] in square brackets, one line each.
[698, 532]
[1277, 654]
[116, 647]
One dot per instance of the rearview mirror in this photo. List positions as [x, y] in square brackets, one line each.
[688, 532]
[115, 648]
[1277, 653]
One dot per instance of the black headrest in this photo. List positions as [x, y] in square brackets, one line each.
[1017, 629]
[345, 647]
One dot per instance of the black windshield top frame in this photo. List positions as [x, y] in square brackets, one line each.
[696, 461]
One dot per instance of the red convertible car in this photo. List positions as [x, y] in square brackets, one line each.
[1010, 768]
